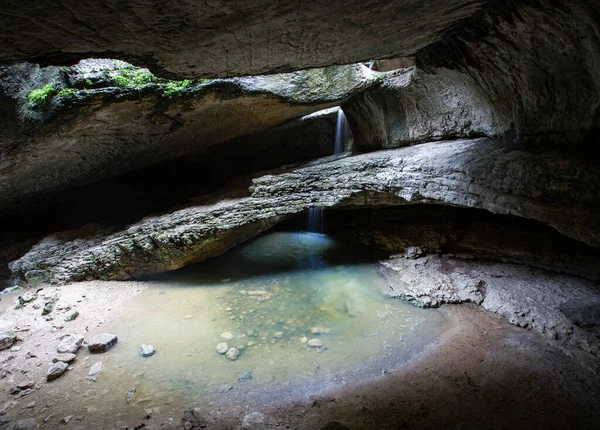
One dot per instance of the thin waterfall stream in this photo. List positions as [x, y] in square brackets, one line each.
[316, 215]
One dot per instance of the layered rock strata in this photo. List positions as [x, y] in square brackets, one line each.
[551, 187]
[99, 130]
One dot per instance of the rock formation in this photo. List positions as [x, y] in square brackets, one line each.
[89, 134]
[479, 173]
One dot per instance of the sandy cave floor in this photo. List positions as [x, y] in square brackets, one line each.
[482, 373]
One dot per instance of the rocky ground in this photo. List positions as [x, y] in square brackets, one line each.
[482, 373]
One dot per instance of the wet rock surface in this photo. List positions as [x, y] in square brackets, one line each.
[106, 130]
[102, 342]
[461, 173]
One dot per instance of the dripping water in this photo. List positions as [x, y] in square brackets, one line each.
[315, 219]
[341, 133]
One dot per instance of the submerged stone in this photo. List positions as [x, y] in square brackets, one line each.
[232, 354]
[315, 343]
[222, 348]
[227, 336]
[147, 350]
[102, 342]
[245, 377]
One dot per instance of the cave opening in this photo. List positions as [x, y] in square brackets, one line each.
[266, 215]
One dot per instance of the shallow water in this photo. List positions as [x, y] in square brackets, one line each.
[270, 294]
[273, 294]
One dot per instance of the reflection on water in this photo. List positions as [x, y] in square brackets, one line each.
[275, 295]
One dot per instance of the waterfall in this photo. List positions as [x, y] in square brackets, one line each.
[315, 219]
[341, 133]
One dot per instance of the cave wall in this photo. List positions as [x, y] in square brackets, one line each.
[525, 72]
[217, 38]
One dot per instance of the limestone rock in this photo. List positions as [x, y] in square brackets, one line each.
[7, 339]
[147, 350]
[315, 343]
[65, 358]
[56, 370]
[222, 348]
[476, 173]
[102, 342]
[245, 377]
[226, 336]
[69, 344]
[232, 354]
[208, 46]
[96, 119]
[95, 369]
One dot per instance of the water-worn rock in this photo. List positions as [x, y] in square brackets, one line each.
[95, 369]
[65, 358]
[232, 354]
[56, 370]
[526, 297]
[102, 342]
[69, 344]
[222, 348]
[479, 173]
[7, 339]
[227, 336]
[315, 343]
[78, 139]
[147, 350]
[245, 377]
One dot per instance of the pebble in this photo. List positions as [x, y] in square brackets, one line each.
[227, 336]
[225, 389]
[319, 330]
[245, 377]
[304, 339]
[65, 358]
[222, 348]
[56, 370]
[147, 350]
[278, 335]
[69, 344]
[94, 370]
[71, 316]
[102, 342]
[66, 420]
[232, 354]
[27, 297]
[254, 421]
[188, 317]
[7, 339]
[130, 395]
[315, 343]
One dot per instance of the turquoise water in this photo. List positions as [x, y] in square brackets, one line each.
[275, 295]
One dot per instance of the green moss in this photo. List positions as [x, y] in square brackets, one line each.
[42, 95]
[66, 92]
[132, 77]
[175, 87]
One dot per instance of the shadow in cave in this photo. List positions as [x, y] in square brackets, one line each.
[288, 247]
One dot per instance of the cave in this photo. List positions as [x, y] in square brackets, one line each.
[279, 215]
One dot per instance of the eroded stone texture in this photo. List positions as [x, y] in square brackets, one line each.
[521, 71]
[218, 39]
[552, 187]
[106, 130]
[527, 297]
